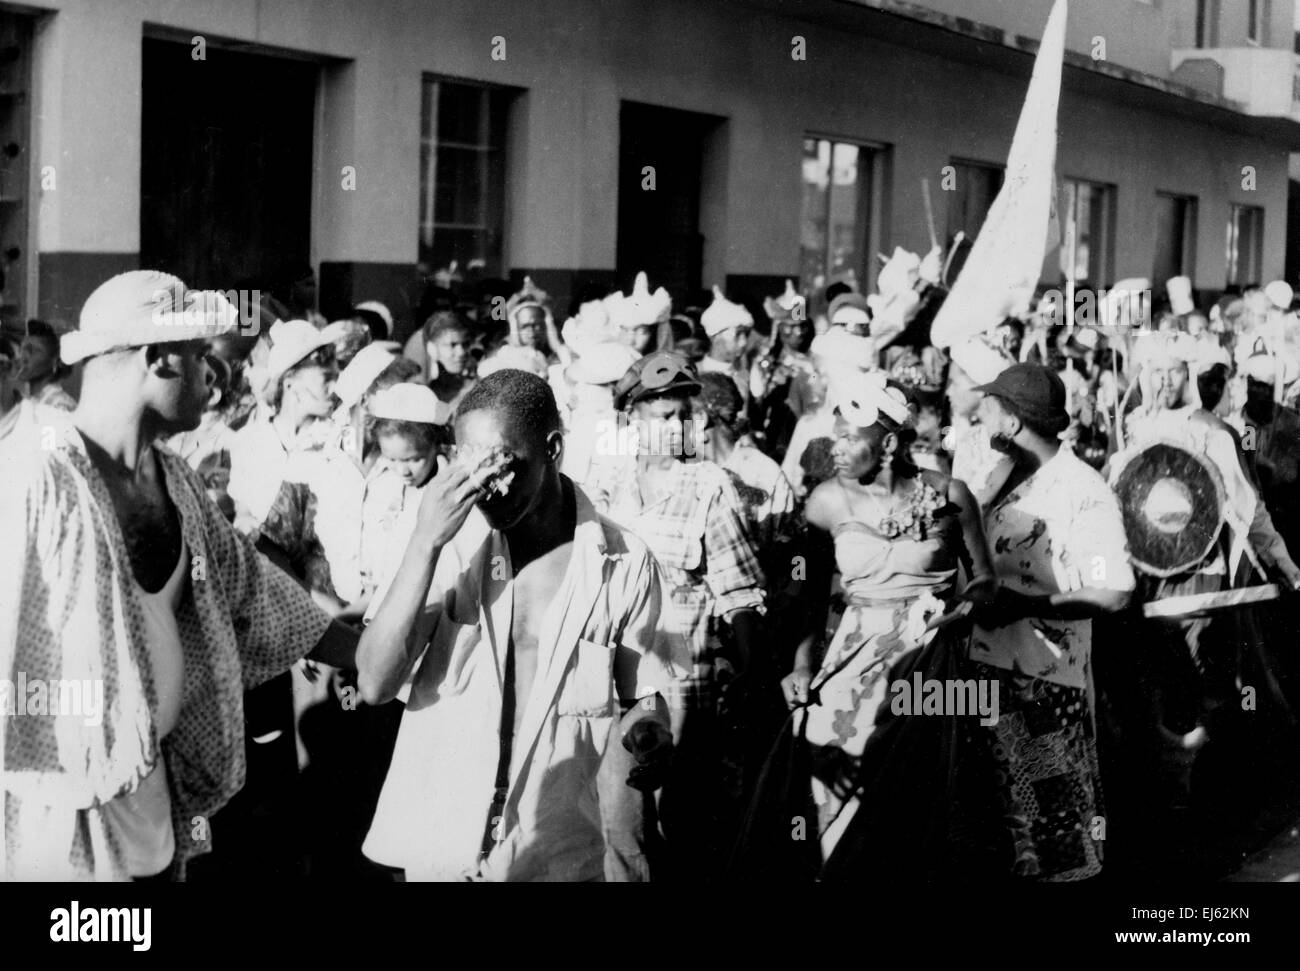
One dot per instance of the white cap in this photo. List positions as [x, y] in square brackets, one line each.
[603, 363]
[337, 329]
[374, 306]
[1279, 293]
[785, 306]
[1179, 290]
[837, 348]
[410, 402]
[1261, 367]
[143, 307]
[361, 372]
[291, 341]
[722, 315]
[592, 326]
[640, 307]
[510, 357]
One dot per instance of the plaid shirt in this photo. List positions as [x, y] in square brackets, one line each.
[699, 533]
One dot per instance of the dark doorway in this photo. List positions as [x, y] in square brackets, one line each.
[659, 228]
[226, 172]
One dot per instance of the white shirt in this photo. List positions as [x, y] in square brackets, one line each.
[1059, 530]
[600, 642]
[141, 820]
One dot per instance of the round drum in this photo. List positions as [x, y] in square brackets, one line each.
[1172, 500]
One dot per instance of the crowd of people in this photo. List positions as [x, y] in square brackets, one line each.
[768, 587]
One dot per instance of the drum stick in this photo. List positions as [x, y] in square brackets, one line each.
[929, 212]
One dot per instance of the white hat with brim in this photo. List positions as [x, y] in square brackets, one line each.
[144, 307]
[410, 402]
[369, 362]
[341, 329]
[375, 307]
[291, 342]
[603, 363]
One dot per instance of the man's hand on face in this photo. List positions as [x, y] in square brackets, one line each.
[447, 501]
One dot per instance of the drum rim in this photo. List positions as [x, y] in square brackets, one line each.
[1129, 455]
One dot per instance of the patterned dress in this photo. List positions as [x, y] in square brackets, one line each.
[1058, 530]
[869, 789]
[887, 582]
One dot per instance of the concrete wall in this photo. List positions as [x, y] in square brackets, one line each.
[1136, 32]
[576, 60]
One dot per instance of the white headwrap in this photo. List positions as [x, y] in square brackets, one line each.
[722, 315]
[862, 398]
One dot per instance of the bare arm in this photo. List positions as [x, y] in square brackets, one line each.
[390, 646]
[972, 530]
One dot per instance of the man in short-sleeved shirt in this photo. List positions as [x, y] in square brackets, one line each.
[529, 654]
[119, 574]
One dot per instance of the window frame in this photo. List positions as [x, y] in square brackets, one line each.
[959, 162]
[1190, 225]
[1232, 257]
[1104, 275]
[430, 106]
[872, 209]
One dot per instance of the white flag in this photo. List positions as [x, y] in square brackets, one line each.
[1002, 271]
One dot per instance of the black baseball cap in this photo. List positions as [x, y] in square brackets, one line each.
[1037, 392]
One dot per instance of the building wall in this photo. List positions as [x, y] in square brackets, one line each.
[576, 60]
[1136, 32]
[1233, 23]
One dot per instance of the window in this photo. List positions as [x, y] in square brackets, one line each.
[976, 186]
[1245, 245]
[1175, 237]
[1257, 24]
[1088, 233]
[462, 175]
[839, 226]
[1207, 23]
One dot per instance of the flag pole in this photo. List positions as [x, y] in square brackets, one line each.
[929, 212]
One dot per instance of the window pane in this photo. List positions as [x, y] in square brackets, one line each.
[1086, 225]
[816, 193]
[1245, 245]
[1175, 225]
[975, 188]
[460, 114]
[460, 186]
[846, 241]
[462, 174]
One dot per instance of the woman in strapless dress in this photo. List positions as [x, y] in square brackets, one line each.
[864, 772]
